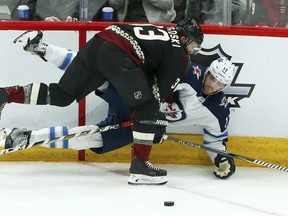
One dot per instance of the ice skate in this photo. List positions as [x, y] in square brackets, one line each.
[144, 173]
[17, 137]
[31, 41]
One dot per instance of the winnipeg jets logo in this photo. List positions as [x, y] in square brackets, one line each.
[235, 91]
[197, 71]
[172, 111]
[224, 102]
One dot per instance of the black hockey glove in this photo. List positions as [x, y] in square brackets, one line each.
[160, 130]
[225, 166]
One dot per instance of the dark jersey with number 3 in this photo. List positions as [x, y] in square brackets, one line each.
[157, 49]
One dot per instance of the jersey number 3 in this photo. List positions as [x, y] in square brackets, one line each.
[151, 34]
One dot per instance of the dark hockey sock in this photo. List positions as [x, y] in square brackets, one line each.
[16, 94]
[141, 151]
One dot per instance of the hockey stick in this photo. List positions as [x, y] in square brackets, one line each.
[67, 137]
[227, 154]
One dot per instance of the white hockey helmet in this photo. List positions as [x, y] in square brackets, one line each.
[222, 70]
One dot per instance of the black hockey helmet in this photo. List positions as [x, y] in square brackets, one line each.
[189, 28]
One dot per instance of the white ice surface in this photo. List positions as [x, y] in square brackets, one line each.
[92, 189]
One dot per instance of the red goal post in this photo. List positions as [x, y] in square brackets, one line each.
[83, 27]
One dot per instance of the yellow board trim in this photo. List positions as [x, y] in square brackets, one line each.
[271, 150]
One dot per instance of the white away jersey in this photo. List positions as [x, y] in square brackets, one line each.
[211, 112]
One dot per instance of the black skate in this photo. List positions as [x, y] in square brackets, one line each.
[144, 173]
[31, 41]
[17, 137]
[3, 99]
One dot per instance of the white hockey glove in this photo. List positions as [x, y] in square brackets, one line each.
[225, 167]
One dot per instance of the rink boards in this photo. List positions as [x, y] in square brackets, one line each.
[271, 150]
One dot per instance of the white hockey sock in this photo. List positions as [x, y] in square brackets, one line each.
[79, 143]
[61, 57]
[215, 145]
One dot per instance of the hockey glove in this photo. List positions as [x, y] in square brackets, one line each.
[225, 167]
[160, 130]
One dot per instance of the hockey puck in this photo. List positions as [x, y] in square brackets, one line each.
[168, 203]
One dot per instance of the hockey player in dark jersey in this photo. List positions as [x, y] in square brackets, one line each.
[200, 101]
[143, 62]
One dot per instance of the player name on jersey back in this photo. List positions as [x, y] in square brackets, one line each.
[174, 37]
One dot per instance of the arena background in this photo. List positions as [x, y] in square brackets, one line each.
[258, 127]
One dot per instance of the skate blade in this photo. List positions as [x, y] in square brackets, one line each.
[138, 179]
[23, 38]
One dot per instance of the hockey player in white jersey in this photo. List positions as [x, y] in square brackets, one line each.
[199, 100]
